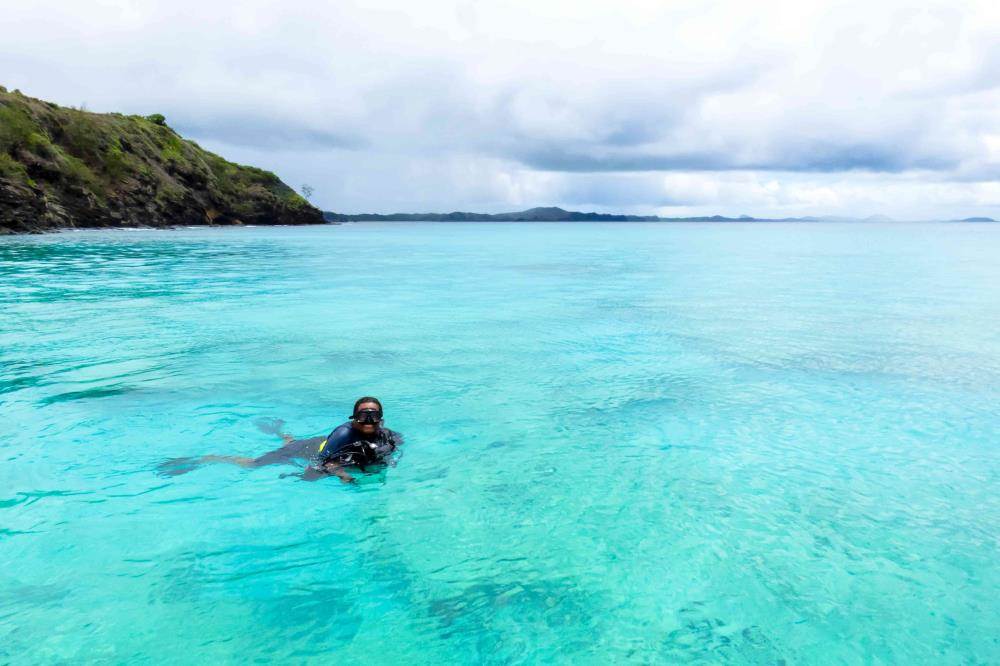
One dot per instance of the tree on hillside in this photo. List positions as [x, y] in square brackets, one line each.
[307, 191]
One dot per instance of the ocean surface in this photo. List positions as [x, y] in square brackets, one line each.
[625, 443]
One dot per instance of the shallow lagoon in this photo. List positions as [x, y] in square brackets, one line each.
[631, 442]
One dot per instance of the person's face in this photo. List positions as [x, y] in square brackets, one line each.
[366, 428]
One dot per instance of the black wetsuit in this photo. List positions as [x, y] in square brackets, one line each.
[297, 448]
[346, 446]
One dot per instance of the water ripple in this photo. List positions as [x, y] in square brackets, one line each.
[625, 443]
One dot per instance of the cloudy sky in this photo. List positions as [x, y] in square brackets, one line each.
[673, 107]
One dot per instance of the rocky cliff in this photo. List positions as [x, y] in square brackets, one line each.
[62, 167]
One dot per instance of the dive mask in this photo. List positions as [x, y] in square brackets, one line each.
[372, 416]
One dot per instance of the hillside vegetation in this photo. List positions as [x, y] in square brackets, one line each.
[63, 167]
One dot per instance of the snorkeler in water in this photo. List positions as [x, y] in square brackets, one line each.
[361, 442]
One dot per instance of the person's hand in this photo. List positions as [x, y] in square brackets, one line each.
[339, 472]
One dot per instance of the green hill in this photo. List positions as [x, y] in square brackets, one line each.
[62, 167]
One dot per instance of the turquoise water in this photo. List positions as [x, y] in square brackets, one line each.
[632, 443]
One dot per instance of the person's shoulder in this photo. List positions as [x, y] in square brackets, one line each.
[339, 438]
[343, 430]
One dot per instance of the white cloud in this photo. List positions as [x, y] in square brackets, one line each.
[704, 106]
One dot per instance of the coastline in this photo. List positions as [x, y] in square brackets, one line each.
[6, 233]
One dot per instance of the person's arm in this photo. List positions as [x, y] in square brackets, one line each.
[316, 472]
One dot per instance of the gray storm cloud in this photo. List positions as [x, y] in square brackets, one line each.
[686, 107]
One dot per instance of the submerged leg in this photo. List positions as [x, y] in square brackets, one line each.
[294, 449]
[241, 461]
[274, 427]
[178, 466]
[291, 450]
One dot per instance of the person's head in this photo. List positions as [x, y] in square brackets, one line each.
[367, 416]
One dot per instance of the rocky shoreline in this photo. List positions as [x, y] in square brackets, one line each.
[63, 168]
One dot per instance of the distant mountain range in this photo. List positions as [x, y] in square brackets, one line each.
[554, 214]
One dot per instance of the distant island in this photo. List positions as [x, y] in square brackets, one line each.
[68, 168]
[554, 214]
